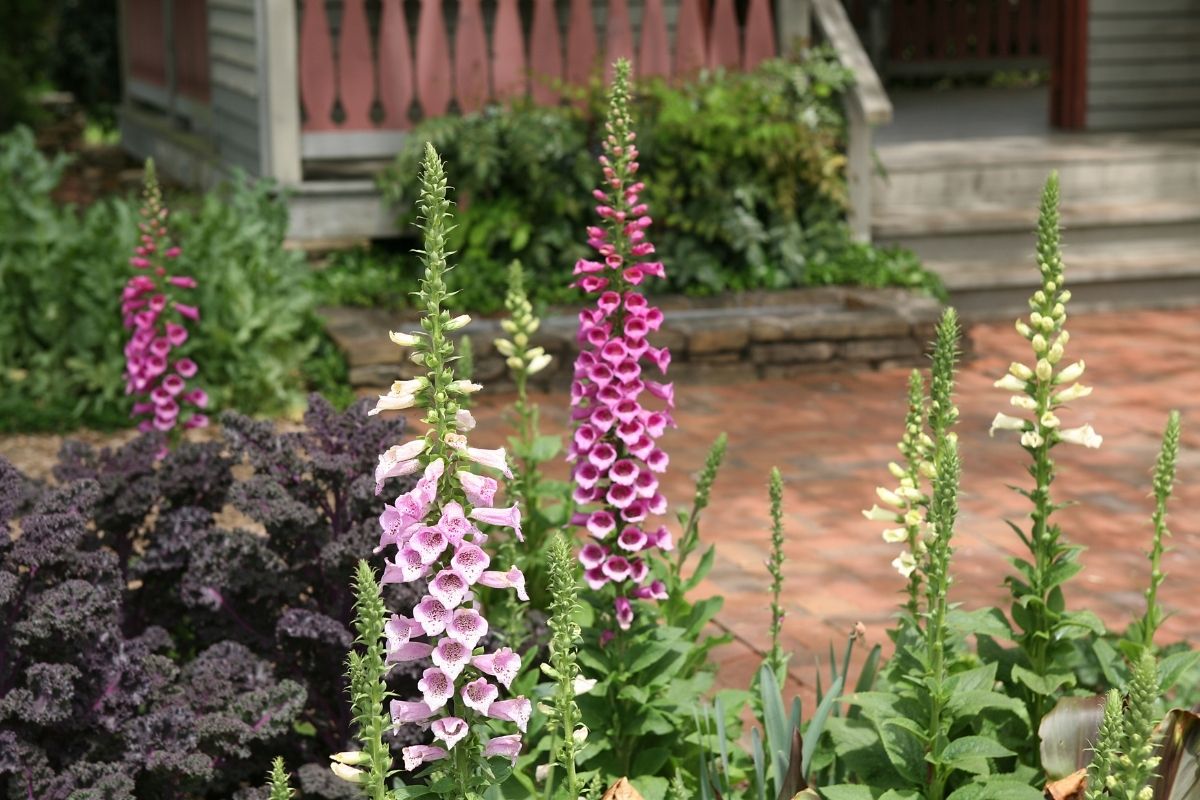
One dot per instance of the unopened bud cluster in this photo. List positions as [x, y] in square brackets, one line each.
[521, 325]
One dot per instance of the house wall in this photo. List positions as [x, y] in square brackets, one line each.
[234, 27]
[1143, 64]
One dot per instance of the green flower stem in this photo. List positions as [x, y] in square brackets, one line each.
[776, 659]
[1164, 480]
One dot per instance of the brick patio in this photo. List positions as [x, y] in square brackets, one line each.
[832, 435]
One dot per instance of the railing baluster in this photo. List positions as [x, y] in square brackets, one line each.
[395, 66]
[581, 42]
[691, 51]
[317, 89]
[759, 43]
[723, 35]
[470, 58]
[654, 51]
[433, 60]
[545, 52]
[618, 35]
[510, 78]
[356, 72]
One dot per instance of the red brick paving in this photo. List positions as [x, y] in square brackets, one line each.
[832, 435]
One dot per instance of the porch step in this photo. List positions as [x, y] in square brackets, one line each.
[1010, 171]
[1164, 279]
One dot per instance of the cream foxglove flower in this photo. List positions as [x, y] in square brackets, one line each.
[461, 321]
[1075, 392]
[1003, 422]
[1031, 439]
[890, 497]
[904, 563]
[392, 402]
[1069, 373]
[877, 514]
[539, 363]
[1049, 420]
[1083, 435]
[1010, 383]
[1019, 370]
[1043, 370]
[463, 387]
[404, 339]
[347, 773]
[895, 535]
[1023, 402]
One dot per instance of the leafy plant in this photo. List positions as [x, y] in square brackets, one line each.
[749, 175]
[61, 273]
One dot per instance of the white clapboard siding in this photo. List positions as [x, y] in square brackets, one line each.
[234, 60]
[1143, 64]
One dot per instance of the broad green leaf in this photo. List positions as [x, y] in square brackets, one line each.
[963, 705]
[986, 621]
[817, 725]
[996, 788]
[651, 788]
[849, 791]
[1171, 668]
[965, 752]
[545, 447]
[1046, 685]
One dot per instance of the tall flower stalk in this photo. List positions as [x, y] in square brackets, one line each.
[431, 535]
[1041, 393]
[1164, 483]
[614, 453]
[151, 308]
[569, 733]
[776, 658]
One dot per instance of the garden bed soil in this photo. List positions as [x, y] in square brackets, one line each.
[744, 336]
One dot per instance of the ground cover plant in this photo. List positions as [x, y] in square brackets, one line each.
[405, 557]
[751, 189]
[61, 346]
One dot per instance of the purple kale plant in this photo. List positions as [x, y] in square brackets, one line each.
[168, 624]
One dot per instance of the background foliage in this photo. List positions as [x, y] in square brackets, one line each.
[61, 273]
[749, 190]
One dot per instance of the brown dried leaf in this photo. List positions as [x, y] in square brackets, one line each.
[622, 790]
[1068, 788]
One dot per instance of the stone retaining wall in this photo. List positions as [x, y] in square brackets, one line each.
[736, 337]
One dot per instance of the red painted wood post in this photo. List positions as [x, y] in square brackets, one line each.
[618, 35]
[759, 42]
[317, 90]
[510, 78]
[433, 60]
[691, 50]
[654, 50]
[395, 66]
[983, 29]
[901, 28]
[1025, 27]
[723, 49]
[581, 43]
[1003, 30]
[545, 53]
[471, 79]
[356, 71]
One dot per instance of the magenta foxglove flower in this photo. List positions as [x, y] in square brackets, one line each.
[619, 408]
[158, 321]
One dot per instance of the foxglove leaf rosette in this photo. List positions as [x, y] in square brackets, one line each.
[621, 402]
[155, 374]
[431, 534]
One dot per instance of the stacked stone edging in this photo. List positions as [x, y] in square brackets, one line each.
[744, 336]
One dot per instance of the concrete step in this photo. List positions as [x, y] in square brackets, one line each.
[1001, 235]
[1164, 278]
[1010, 171]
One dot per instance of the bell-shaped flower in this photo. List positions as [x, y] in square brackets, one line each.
[1084, 435]
[503, 517]
[450, 730]
[470, 561]
[513, 579]
[1003, 422]
[503, 665]
[516, 710]
[449, 587]
[895, 535]
[347, 773]
[467, 626]
[398, 461]
[429, 543]
[451, 656]
[479, 695]
[436, 687]
[418, 754]
[432, 615]
[399, 629]
[405, 568]
[480, 489]
[904, 563]
[409, 651]
[504, 747]
[592, 555]
[495, 459]
[407, 711]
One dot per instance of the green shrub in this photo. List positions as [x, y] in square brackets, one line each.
[61, 274]
[750, 191]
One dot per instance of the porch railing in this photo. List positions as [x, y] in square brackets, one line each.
[365, 77]
[166, 47]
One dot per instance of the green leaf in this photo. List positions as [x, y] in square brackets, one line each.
[817, 725]
[1172, 667]
[964, 705]
[702, 569]
[651, 788]
[996, 788]
[1046, 685]
[964, 753]
[986, 621]
[650, 760]
[545, 447]
[849, 791]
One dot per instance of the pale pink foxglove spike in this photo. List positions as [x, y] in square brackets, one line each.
[478, 695]
[418, 754]
[504, 747]
[517, 710]
[405, 711]
[503, 665]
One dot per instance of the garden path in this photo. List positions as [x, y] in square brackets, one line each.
[832, 435]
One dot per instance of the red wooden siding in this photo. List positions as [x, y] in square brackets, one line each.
[189, 39]
[145, 35]
[494, 54]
